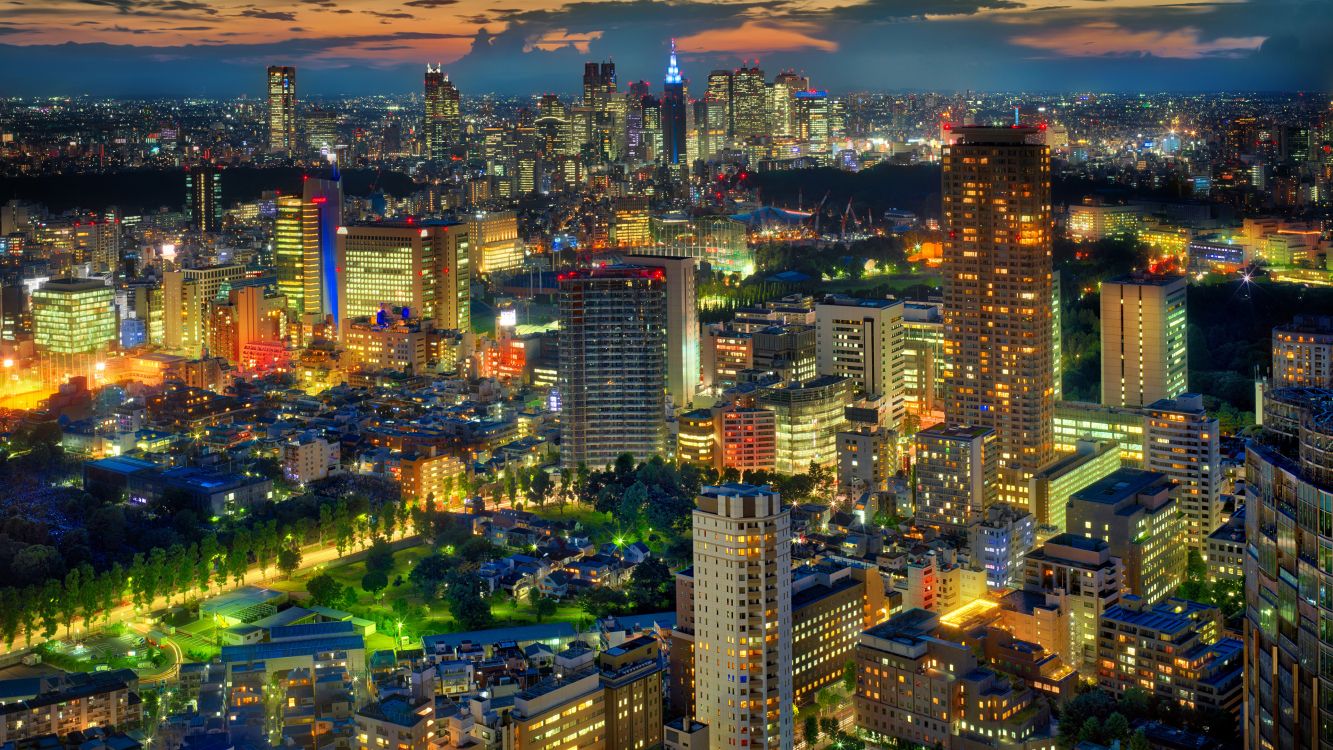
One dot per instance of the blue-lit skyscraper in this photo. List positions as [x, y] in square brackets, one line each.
[322, 215]
[674, 102]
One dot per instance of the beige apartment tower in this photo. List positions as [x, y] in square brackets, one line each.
[742, 617]
[1143, 339]
[998, 312]
[282, 110]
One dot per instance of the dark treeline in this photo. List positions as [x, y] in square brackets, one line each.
[147, 190]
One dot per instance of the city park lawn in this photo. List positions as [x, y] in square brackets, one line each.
[418, 616]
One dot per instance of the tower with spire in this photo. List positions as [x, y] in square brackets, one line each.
[674, 101]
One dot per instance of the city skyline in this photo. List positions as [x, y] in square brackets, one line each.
[174, 47]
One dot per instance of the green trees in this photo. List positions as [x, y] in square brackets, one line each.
[651, 586]
[543, 606]
[465, 596]
[325, 591]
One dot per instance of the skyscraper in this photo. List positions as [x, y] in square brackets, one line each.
[742, 617]
[444, 120]
[674, 123]
[606, 110]
[682, 325]
[289, 252]
[997, 295]
[814, 121]
[322, 204]
[203, 197]
[1136, 513]
[613, 364]
[748, 103]
[282, 110]
[955, 474]
[407, 269]
[1288, 613]
[1143, 339]
[718, 95]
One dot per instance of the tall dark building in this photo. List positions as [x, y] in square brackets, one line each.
[674, 120]
[613, 364]
[604, 109]
[282, 110]
[998, 295]
[203, 197]
[443, 126]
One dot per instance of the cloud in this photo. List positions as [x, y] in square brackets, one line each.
[268, 15]
[557, 39]
[429, 3]
[384, 15]
[1108, 39]
[756, 37]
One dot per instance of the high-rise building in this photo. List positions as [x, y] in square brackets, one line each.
[282, 110]
[674, 125]
[321, 216]
[289, 250]
[956, 467]
[186, 295]
[605, 109]
[73, 316]
[493, 237]
[444, 119]
[718, 94]
[814, 123]
[809, 417]
[1289, 483]
[1143, 339]
[924, 366]
[863, 340]
[1136, 513]
[203, 197]
[1000, 541]
[782, 102]
[1051, 486]
[1181, 441]
[743, 617]
[748, 103]
[613, 364]
[408, 269]
[1303, 353]
[997, 295]
[682, 325]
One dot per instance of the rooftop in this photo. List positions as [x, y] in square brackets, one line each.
[1119, 486]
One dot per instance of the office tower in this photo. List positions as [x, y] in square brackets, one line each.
[1143, 339]
[814, 121]
[408, 269]
[1181, 441]
[601, 100]
[186, 295]
[956, 466]
[321, 132]
[203, 198]
[924, 367]
[672, 117]
[863, 340]
[809, 417]
[1289, 478]
[782, 102]
[1303, 353]
[321, 216]
[718, 94]
[1078, 579]
[682, 325]
[613, 364]
[289, 249]
[997, 295]
[444, 120]
[1051, 486]
[282, 110]
[1057, 339]
[742, 617]
[73, 316]
[1000, 541]
[1083, 420]
[748, 103]
[1136, 513]
[493, 238]
[1174, 651]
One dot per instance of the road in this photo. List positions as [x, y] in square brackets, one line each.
[312, 556]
